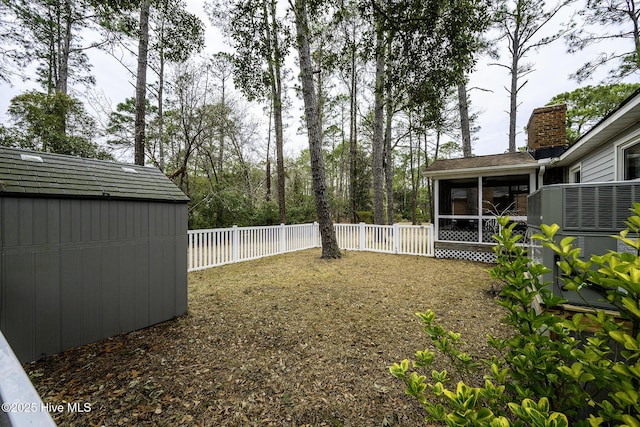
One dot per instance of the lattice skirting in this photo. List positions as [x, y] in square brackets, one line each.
[488, 257]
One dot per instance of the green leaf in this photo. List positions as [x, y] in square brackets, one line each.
[631, 421]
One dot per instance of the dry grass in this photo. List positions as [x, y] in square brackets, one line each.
[290, 340]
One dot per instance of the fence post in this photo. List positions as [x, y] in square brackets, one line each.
[283, 239]
[396, 238]
[189, 250]
[235, 245]
[432, 239]
[314, 233]
[361, 230]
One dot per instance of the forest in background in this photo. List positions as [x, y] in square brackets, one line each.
[384, 83]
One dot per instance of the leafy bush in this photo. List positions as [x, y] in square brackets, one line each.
[583, 370]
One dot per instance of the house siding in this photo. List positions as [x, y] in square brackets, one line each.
[598, 166]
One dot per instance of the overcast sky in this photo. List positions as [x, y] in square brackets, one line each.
[552, 67]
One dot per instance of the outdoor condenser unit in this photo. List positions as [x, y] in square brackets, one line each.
[590, 212]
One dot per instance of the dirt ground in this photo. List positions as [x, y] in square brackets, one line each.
[290, 340]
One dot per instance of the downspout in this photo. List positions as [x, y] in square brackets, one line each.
[541, 172]
[543, 168]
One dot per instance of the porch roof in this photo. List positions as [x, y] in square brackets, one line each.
[495, 164]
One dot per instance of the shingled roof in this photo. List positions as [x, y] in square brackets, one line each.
[495, 161]
[34, 173]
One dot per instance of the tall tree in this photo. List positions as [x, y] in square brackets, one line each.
[434, 43]
[177, 35]
[261, 41]
[51, 34]
[156, 32]
[51, 37]
[141, 82]
[330, 247]
[465, 123]
[520, 23]
[13, 56]
[377, 143]
[53, 122]
[605, 21]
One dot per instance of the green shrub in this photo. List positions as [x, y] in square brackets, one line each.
[552, 371]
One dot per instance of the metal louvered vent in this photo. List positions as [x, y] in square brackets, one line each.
[534, 209]
[602, 207]
[572, 207]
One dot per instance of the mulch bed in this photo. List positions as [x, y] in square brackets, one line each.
[291, 340]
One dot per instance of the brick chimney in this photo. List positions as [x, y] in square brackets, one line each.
[547, 131]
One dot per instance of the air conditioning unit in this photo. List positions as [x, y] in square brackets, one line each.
[590, 212]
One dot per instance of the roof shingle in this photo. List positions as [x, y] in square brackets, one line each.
[22, 173]
[494, 160]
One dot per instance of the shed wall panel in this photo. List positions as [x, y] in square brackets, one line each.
[40, 220]
[85, 221]
[110, 281]
[127, 297]
[53, 221]
[92, 306]
[180, 221]
[71, 297]
[47, 308]
[10, 220]
[156, 309]
[141, 266]
[19, 304]
[168, 288]
[88, 270]
[25, 222]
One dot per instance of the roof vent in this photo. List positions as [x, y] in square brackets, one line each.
[31, 158]
[129, 170]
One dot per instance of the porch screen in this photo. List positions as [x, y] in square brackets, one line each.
[459, 197]
[505, 195]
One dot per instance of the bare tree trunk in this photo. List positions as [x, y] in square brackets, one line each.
[388, 160]
[463, 106]
[353, 138]
[513, 96]
[275, 77]
[414, 186]
[141, 82]
[378, 142]
[64, 51]
[267, 195]
[329, 243]
[161, 164]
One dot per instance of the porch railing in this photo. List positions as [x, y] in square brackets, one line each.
[214, 247]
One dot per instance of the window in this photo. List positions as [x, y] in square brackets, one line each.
[574, 174]
[631, 162]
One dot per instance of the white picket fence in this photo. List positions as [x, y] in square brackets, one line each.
[214, 247]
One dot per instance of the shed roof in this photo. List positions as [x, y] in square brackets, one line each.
[495, 163]
[34, 173]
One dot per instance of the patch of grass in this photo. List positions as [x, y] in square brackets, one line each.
[287, 340]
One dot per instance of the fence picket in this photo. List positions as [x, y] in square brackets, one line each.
[214, 247]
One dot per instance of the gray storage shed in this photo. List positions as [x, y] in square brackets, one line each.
[88, 249]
